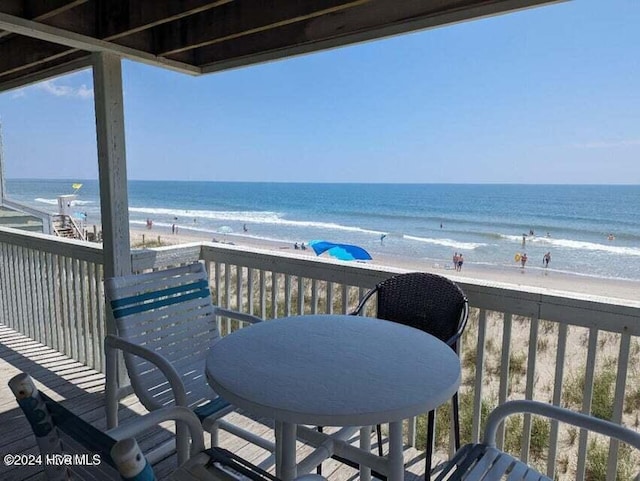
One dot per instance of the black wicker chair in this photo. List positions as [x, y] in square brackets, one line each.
[433, 304]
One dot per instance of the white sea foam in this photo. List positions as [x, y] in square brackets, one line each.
[55, 201]
[610, 247]
[446, 242]
[518, 238]
[253, 217]
[593, 246]
[47, 201]
[214, 232]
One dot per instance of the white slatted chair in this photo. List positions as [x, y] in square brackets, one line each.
[165, 323]
[484, 462]
[115, 454]
[59, 432]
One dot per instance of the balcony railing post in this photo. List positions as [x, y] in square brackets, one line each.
[504, 370]
[528, 393]
[563, 331]
[618, 402]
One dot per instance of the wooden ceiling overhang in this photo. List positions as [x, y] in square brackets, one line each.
[43, 38]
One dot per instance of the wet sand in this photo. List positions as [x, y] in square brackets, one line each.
[532, 277]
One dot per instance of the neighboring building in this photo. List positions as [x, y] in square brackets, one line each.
[16, 219]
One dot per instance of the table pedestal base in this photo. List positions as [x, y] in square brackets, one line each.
[326, 446]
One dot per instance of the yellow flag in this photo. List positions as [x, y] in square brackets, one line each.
[76, 186]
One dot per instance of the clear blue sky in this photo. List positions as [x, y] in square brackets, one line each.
[547, 95]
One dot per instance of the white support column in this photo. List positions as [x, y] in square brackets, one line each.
[112, 163]
[2, 193]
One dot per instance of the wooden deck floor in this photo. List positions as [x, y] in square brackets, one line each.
[81, 390]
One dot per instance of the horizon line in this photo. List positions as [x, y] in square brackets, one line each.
[75, 179]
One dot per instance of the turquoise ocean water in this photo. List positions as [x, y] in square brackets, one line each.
[484, 222]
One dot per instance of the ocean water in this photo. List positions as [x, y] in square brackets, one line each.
[430, 222]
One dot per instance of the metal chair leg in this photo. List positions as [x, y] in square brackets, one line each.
[430, 440]
[456, 421]
[319, 467]
[379, 434]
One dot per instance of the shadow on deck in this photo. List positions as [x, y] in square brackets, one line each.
[81, 390]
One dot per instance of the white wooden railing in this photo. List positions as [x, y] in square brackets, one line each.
[51, 290]
[520, 343]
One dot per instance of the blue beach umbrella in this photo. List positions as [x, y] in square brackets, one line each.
[343, 252]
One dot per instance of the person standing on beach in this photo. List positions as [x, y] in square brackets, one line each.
[546, 258]
[523, 259]
[455, 261]
[460, 262]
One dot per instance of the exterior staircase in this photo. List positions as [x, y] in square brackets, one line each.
[66, 226]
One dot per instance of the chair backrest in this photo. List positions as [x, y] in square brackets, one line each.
[428, 302]
[171, 313]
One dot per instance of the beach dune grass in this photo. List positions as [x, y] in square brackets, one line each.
[597, 459]
[603, 393]
[147, 241]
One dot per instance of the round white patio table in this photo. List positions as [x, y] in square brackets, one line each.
[333, 370]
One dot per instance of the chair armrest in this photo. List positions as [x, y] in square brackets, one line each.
[363, 301]
[240, 316]
[561, 414]
[173, 413]
[114, 342]
[464, 317]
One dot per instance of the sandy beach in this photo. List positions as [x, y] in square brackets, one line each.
[548, 280]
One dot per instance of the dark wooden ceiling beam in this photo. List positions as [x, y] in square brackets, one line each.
[78, 20]
[118, 18]
[75, 41]
[32, 53]
[43, 9]
[311, 30]
[113, 19]
[240, 19]
[12, 7]
[376, 19]
[37, 9]
[69, 63]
